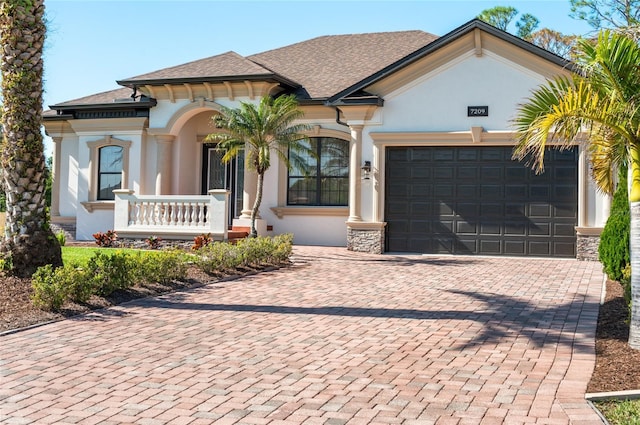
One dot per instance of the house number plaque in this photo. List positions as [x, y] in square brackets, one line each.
[477, 111]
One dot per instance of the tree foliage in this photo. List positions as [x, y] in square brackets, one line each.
[526, 27]
[607, 13]
[259, 130]
[600, 107]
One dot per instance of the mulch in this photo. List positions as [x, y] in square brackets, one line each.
[617, 365]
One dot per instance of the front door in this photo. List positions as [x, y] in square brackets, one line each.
[219, 175]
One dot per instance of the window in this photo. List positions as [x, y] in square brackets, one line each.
[110, 159]
[323, 180]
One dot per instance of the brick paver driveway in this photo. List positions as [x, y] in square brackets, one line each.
[339, 338]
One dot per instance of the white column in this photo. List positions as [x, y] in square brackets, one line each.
[355, 158]
[163, 164]
[583, 187]
[55, 174]
[249, 189]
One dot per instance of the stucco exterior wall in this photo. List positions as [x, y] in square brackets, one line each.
[68, 176]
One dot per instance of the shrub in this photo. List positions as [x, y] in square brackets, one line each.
[225, 257]
[201, 241]
[219, 257]
[153, 242]
[62, 237]
[109, 272]
[161, 267]
[49, 293]
[613, 251]
[107, 239]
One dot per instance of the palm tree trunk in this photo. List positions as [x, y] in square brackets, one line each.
[634, 241]
[256, 205]
[29, 242]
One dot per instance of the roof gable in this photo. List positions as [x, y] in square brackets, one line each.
[455, 36]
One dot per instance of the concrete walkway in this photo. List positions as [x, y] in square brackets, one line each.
[340, 338]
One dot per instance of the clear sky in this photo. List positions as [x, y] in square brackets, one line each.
[91, 44]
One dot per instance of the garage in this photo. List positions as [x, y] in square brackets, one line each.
[477, 200]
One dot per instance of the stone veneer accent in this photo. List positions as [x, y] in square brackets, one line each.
[587, 247]
[365, 240]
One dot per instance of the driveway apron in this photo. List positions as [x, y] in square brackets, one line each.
[338, 338]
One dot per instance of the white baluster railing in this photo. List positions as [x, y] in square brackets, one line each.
[171, 216]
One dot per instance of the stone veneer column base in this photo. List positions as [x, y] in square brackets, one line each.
[587, 241]
[365, 237]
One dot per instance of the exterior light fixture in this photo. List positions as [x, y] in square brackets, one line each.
[366, 170]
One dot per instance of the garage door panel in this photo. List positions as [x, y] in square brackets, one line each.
[539, 210]
[514, 247]
[515, 228]
[491, 173]
[467, 191]
[477, 200]
[564, 211]
[465, 227]
[491, 229]
[542, 248]
[539, 229]
[515, 191]
[564, 249]
[564, 229]
[490, 247]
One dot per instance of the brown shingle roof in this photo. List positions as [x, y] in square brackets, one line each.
[223, 65]
[99, 98]
[326, 65]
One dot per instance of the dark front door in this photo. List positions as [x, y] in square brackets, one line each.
[219, 175]
[477, 200]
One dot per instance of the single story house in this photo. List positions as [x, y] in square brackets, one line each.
[412, 132]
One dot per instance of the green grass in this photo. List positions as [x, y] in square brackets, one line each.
[620, 412]
[80, 255]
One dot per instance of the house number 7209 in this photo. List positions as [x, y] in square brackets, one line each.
[477, 111]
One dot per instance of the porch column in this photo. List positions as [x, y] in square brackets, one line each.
[355, 158]
[163, 163]
[583, 186]
[55, 175]
[249, 189]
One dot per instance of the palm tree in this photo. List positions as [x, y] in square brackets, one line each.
[600, 104]
[28, 241]
[259, 130]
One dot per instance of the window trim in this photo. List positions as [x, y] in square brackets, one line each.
[94, 165]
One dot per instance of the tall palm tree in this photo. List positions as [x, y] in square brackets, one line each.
[28, 241]
[259, 130]
[600, 104]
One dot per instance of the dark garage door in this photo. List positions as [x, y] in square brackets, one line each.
[468, 200]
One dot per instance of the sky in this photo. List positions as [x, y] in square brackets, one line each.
[91, 44]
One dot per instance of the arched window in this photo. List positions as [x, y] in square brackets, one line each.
[110, 162]
[321, 180]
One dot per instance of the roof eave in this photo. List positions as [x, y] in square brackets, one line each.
[218, 79]
[146, 104]
[443, 41]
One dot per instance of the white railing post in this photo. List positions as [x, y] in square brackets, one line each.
[121, 209]
[219, 212]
